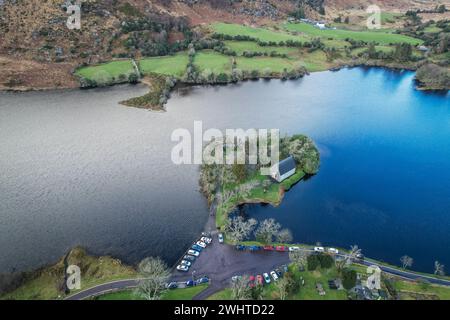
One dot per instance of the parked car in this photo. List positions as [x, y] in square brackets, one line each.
[254, 248]
[274, 275]
[189, 258]
[251, 282]
[183, 268]
[194, 253]
[281, 249]
[240, 247]
[197, 248]
[220, 237]
[201, 244]
[206, 240]
[203, 280]
[279, 272]
[235, 278]
[333, 250]
[190, 283]
[319, 249]
[268, 248]
[186, 263]
[172, 285]
[294, 249]
[285, 268]
[260, 280]
[266, 278]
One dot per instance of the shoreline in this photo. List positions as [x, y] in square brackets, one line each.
[394, 66]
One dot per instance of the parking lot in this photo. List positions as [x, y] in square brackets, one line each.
[220, 262]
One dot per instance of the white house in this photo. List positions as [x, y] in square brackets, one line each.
[284, 169]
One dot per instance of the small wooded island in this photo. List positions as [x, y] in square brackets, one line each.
[228, 186]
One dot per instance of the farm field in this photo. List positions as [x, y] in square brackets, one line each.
[241, 46]
[107, 72]
[381, 37]
[257, 33]
[212, 61]
[168, 65]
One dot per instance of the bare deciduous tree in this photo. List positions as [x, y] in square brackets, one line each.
[267, 230]
[285, 236]
[282, 286]
[238, 229]
[355, 251]
[439, 269]
[299, 258]
[155, 275]
[406, 261]
[240, 289]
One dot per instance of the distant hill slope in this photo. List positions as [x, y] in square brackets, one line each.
[36, 29]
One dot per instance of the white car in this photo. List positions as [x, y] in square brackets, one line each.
[206, 240]
[193, 253]
[294, 249]
[220, 236]
[274, 275]
[266, 278]
[236, 278]
[186, 263]
[201, 244]
[183, 268]
[319, 249]
[333, 250]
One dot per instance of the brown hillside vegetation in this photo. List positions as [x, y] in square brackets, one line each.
[35, 32]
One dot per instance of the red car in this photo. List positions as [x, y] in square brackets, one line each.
[251, 282]
[260, 280]
[281, 249]
[268, 248]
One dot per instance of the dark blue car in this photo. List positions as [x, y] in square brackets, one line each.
[240, 247]
[255, 248]
[190, 283]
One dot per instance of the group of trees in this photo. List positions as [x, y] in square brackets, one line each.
[239, 229]
[434, 76]
[304, 151]
[149, 34]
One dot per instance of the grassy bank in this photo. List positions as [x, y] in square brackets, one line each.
[48, 283]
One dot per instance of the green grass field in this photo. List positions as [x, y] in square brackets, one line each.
[381, 37]
[168, 65]
[257, 33]
[107, 72]
[261, 63]
[212, 61]
[177, 294]
[241, 46]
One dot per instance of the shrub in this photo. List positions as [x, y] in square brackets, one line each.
[313, 262]
[326, 261]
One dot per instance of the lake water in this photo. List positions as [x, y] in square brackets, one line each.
[79, 169]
